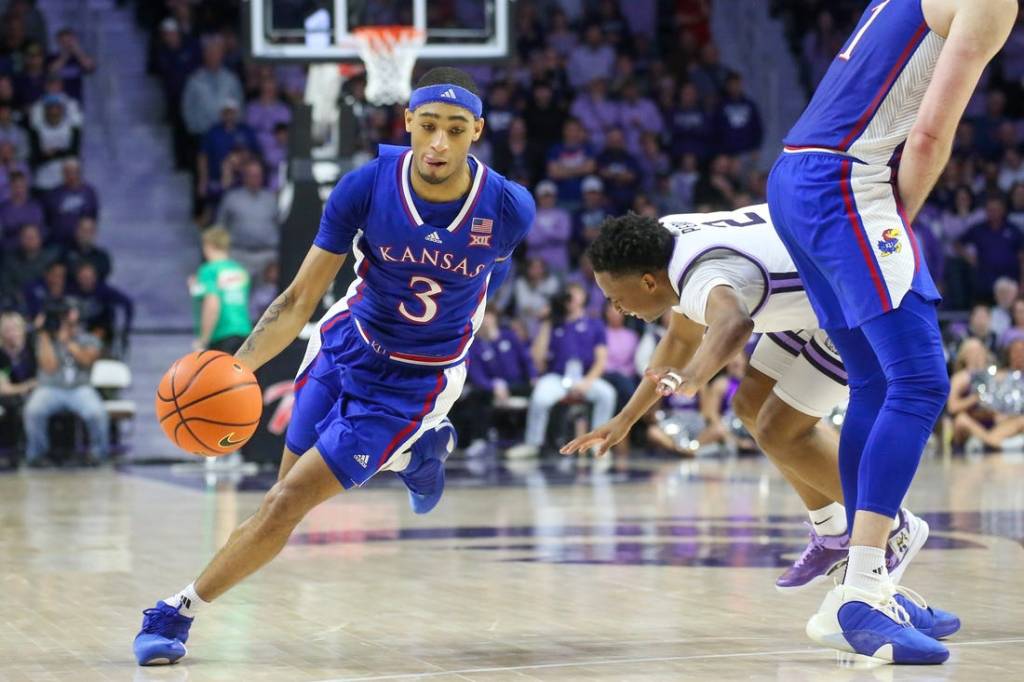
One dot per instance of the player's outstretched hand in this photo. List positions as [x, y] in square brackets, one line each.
[671, 381]
[602, 438]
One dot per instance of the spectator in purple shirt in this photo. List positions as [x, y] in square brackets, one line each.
[596, 112]
[99, 303]
[9, 165]
[84, 250]
[993, 248]
[51, 288]
[71, 62]
[570, 161]
[584, 277]
[690, 125]
[592, 59]
[574, 354]
[548, 239]
[638, 117]
[69, 203]
[20, 209]
[619, 170]
[220, 141]
[620, 370]
[499, 367]
[738, 121]
[30, 83]
[500, 114]
[709, 75]
[268, 111]
[24, 265]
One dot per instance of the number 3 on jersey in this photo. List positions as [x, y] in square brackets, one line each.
[427, 297]
[848, 52]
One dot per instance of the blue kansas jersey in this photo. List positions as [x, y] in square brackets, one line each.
[869, 98]
[422, 269]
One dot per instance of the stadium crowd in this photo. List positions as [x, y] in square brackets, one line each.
[606, 106]
[58, 314]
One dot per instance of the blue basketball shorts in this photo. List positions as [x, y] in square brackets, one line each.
[363, 411]
[844, 226]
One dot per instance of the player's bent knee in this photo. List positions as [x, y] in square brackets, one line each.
[284, 506]
[746, 407]
[778, 426]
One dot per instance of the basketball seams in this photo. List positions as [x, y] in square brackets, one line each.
[206, 397]
[177, 409]
[200, 368]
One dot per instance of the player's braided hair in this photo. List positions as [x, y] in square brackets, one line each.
[442, 75]
[631, 244]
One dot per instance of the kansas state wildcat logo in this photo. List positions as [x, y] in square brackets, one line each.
[890, 242]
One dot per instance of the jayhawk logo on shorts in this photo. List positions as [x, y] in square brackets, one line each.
[890, 242]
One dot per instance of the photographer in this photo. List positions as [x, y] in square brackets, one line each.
[64, 354]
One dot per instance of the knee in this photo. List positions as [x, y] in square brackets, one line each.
[283, 507]
[777, 428]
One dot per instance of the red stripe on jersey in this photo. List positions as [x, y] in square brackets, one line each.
[858, 230]
[409, 428]
[901, 62]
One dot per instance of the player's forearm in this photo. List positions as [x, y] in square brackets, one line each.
[923, 160]
[669, 352]
[278, 327]
[208, 320]
[723, 341]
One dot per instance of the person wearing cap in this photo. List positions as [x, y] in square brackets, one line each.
[208, 89]
[220, 140]
[587, 218]
[549, 238]
[54, 90]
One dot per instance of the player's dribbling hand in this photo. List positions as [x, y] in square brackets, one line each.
[671, 381]
[601, 439]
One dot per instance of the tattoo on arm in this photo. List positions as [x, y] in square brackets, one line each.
[272, 314]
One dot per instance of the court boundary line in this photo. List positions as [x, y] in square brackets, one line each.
[621, 661]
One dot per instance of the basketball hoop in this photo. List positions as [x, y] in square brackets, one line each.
[389, 54]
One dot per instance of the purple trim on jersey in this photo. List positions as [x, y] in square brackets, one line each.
[853, 215]
[414, 423]
[822, 362]
[785, 343]
[764, 273]
[897, 69]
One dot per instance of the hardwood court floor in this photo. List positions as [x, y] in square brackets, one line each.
[664, 574]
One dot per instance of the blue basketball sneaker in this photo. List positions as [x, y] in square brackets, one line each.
[162, 638]
[875, 625]
[424, 477]
[928, 620]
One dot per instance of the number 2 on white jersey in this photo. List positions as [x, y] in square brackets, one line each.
[845, 54]
[429, 304]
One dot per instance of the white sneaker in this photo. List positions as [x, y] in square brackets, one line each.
[904, 544]
[522, 451]
[875, 625]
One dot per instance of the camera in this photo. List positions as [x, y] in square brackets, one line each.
[54, 314]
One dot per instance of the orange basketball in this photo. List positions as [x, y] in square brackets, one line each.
[208, 403]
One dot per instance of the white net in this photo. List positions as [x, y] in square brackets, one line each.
[389, 54]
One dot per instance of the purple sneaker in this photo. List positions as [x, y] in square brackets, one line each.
[824, 556]
[904, 544]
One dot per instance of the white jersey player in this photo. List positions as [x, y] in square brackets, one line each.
[726, 275]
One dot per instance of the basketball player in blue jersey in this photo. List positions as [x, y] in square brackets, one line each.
[431, 230]
[856, 169]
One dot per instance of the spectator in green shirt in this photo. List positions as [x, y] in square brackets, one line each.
[220, 294]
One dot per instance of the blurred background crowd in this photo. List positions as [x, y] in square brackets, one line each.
[607, 106]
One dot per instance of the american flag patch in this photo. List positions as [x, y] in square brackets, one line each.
[481, 225]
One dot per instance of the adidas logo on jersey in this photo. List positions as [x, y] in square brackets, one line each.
[449, 94]
[434, 237]
[362, 460]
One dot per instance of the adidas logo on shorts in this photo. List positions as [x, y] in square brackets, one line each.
[449, 94]
[362, 460]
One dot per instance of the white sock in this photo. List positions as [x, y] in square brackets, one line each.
[188, 601]
[895, 522]
[866, 569]
[829, 520]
